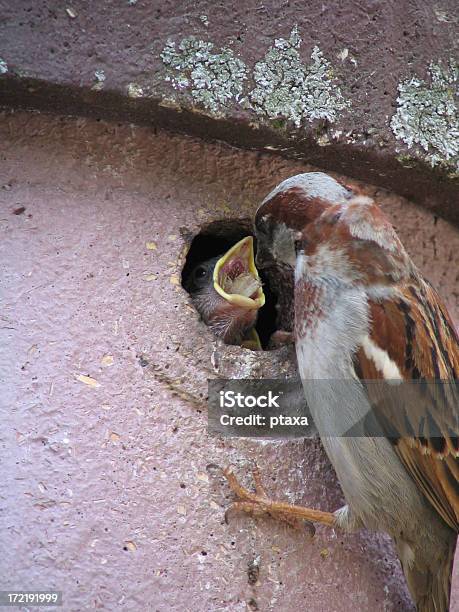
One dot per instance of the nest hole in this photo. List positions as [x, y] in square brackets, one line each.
[215, 239]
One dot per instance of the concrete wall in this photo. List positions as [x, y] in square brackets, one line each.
[106, 490]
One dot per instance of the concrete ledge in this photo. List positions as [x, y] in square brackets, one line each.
[364, 90]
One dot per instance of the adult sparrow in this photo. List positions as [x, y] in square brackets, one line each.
[362, 312]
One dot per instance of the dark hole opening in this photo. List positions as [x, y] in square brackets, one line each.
[215, 239]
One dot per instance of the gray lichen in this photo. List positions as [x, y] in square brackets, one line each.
[286, 87]
[214, 78]
[427, 114]
[134, 90]
[99, 77]
[3, 66]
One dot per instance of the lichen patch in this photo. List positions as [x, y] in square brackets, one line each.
[286, 87]
[99, 77]
[134, 90]
[215, 78]
[3, 66]
[427, 114]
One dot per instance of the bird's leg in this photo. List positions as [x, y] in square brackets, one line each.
[258, 503]
[249, 505]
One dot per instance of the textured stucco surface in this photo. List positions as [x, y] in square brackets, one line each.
[106, 493]
[362, 88]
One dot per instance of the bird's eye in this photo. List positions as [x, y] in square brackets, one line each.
[200, 272]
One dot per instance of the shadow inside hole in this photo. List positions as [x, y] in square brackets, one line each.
[215, 239]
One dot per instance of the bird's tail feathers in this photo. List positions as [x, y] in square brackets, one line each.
[430, 585]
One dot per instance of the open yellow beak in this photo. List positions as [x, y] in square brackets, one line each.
[237, 262]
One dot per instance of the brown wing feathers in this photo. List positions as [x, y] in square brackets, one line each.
[418, 335]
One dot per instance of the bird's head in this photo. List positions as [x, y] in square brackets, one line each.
[340, 236]
[288, 210]
[227, 292]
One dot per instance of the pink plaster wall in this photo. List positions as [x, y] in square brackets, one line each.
[106, 492]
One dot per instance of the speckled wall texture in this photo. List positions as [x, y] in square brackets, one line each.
[106, 490]
[368, 89]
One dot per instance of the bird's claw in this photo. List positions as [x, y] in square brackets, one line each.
[258, 503]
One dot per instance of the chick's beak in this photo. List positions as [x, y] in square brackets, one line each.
[236, 280]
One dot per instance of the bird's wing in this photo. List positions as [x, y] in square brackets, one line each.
[416, 334]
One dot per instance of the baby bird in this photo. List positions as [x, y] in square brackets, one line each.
[226, 291]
